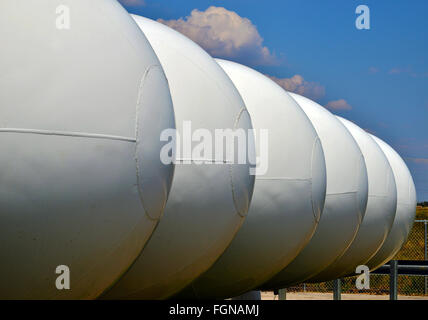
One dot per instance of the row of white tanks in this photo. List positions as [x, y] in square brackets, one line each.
[82, 110]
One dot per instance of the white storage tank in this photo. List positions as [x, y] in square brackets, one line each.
[380, 212]
[288, 196]
[345, 203]
[406, 208]
[83, 102]
[210, 197]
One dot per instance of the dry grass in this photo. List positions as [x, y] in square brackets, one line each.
[268, 295]
[421, 213]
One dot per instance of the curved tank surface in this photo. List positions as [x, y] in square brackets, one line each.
[82, 186]
[406, 208]
[288, 196]
[380, 212]
[210, 196]
[345, 202]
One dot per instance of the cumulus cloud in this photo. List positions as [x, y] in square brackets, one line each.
[423, 161]
[407, 71]
[373, 70]
[410, 146]
[297, 84]
[340, 104]
[309, 89]
[398, 70]
[224, 34]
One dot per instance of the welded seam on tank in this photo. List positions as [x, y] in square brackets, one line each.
[340, 193]
[284, 178]
[137, 142]
[138, 170]
[67, 134]
[204, 160]
[378, 196]
[235, 202]
[317, 217]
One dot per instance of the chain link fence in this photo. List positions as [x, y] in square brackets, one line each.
[414, 249]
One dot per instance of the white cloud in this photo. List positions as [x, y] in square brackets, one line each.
[224, 34]
[340, 104]
[423, 161]
[398, 71]
[406, 70]
[299, 85]
[373, 70]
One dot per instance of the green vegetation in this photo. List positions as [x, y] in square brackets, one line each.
[413, 249]
[422, 212]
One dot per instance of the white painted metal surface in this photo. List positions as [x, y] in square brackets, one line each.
[406, 208]
[81, 112]
[380, 212]
[345, 202]
[208, 202]
[288, 198]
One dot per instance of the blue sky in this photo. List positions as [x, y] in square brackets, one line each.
[377, 78]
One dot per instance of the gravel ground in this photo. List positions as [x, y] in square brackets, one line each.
[268, 295]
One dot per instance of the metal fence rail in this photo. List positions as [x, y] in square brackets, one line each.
[410, 280]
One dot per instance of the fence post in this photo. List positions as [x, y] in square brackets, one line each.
[393, 265]
[282, 294]
[425, 254]
[337, 289]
